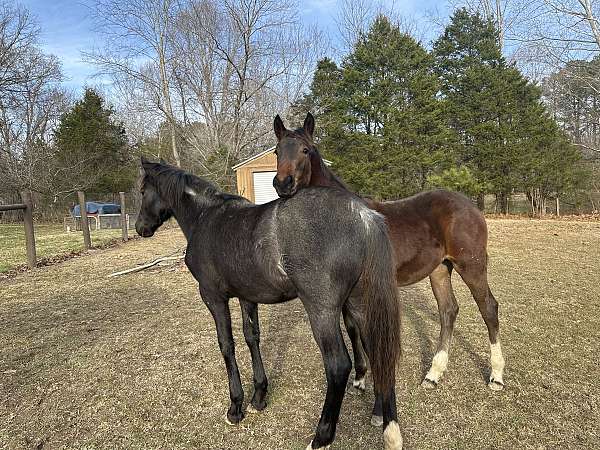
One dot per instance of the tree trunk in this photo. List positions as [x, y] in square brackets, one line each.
[502, 201]
[481, 201]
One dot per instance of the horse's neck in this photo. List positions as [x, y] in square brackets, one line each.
[321, 175]
[187, 216]
[190, 209]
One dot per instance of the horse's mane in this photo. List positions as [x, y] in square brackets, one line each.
[173, 184]
[329, 173]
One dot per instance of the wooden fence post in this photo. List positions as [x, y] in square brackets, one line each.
[557, 207]
[87, 242]
[29, 233]
[124, 223]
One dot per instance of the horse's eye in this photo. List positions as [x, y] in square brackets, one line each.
[305, 151]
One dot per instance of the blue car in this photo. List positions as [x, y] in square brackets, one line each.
[97, 208]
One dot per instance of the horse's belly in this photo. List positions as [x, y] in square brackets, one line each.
[262, 291]
[417, 263]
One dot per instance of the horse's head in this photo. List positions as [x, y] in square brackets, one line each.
[294, 150]
[153, 212]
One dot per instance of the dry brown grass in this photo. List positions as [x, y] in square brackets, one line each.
[52, 244]
[133, 362]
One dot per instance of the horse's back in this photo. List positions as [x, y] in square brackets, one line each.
[430, 227]
[325, 229]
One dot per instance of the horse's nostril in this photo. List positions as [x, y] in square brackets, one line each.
[283, 184]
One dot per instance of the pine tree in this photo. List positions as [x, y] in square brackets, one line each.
[91, 150]
[378, 114]
[501, 125]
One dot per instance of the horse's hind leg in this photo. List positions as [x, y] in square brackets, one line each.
[326, 330]
[441, 285]
[360, 358]
[252, 336]
[475, 277]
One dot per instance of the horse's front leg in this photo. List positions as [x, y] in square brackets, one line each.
[218, 305]
[326, 330]
[252, 336]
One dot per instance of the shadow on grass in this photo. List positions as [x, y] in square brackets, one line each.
[419, 313]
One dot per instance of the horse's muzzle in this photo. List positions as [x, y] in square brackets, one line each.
[285, 187]
[144, 231]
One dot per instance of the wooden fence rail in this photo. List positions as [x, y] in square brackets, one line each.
[27, 207]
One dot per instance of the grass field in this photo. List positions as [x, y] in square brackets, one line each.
[133, 362]
[51, 241]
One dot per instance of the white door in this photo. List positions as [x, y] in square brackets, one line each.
[263, 187]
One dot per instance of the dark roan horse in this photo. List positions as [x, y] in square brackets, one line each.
[432, 233]
[276, 252]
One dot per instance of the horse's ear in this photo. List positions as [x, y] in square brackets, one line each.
[145, 162]
[278, 127]
[309, 124]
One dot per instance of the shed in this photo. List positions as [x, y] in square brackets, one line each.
[255, 176]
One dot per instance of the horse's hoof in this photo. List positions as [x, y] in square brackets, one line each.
[359, 384]
[495, 385]
[233, 420]
[429, 384]
[258, 406]
[377, 421]
[309, 447]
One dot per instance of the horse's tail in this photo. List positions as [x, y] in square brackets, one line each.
[382, 308]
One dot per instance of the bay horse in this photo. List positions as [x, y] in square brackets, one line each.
[274, 253]
[432, 233]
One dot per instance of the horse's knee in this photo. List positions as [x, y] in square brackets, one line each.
[342, 371]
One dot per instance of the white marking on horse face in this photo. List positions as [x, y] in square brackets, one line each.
[497, 361]
[189, 191]
[359, 384]
[392, 438]
[438, 366]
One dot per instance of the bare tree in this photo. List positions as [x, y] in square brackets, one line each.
[557, 32]
[216, 71]
[238, 60]
[31, 102]
[354, 18]
[136, 50]
[18, 35]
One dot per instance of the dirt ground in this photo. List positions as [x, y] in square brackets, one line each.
[133, 362]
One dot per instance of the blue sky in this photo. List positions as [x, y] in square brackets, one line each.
[66, 31]
[67, 28]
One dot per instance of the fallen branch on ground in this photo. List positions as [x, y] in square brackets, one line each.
[146, 266]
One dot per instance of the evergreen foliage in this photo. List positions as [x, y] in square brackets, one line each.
[91, 151]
